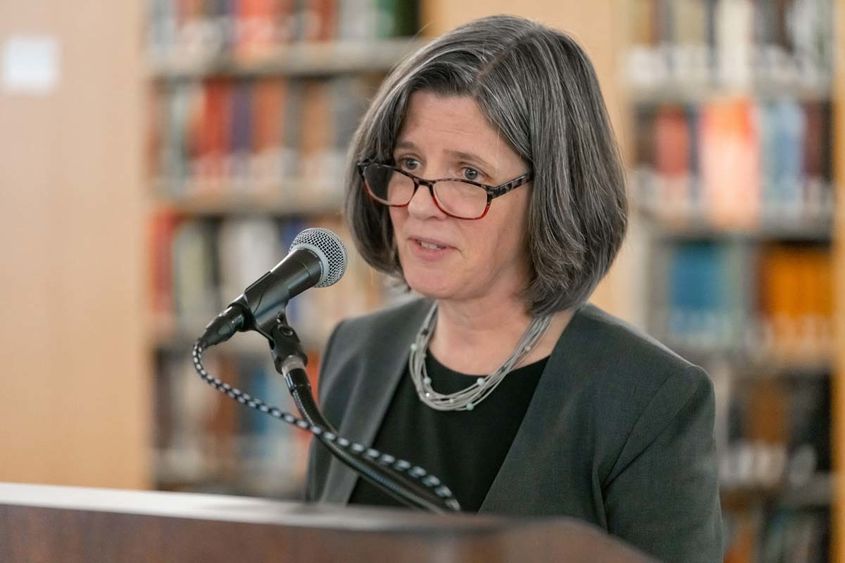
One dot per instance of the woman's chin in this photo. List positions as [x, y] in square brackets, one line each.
[431, 288]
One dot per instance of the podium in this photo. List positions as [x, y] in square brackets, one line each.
[40, 523]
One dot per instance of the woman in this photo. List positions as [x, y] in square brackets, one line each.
[486, 177]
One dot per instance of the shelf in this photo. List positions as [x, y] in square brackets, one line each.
[744, 364]
[691, 226]
[692, 92]
[803, 230]
[305, 59]
[816, 493]
[276, 202]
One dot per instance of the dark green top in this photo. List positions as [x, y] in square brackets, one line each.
[618, 433]
[464, 449]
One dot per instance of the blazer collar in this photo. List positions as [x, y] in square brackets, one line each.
[383, 369]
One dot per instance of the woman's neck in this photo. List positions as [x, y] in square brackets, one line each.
[476, 338]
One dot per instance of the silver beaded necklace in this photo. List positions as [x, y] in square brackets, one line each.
[466, 399]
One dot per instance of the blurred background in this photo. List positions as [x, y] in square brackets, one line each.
[156, 156]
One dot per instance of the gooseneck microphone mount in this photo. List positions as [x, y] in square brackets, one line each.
[423, 491]
[412, 485]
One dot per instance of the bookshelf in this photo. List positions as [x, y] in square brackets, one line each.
[735, 175]
[250, 115]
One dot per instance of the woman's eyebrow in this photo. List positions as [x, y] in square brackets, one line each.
[456, 154]
[402, 144]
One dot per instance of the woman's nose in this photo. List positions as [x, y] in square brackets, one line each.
[422, 203]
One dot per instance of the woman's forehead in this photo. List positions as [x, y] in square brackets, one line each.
[453, 126]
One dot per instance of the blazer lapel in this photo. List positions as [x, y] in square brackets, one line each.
[378, 374]
[505, 493]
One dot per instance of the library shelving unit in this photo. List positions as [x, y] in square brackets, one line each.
[734, 180]
[250, 116]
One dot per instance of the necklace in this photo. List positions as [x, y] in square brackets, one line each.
[466, 399]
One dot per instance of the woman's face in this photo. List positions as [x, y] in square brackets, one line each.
[455, 259]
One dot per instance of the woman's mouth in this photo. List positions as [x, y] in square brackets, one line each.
[430, 245]
[428, 248]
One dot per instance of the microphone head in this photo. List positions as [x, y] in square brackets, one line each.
[328, 248]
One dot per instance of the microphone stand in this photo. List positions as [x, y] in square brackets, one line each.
[289, 360]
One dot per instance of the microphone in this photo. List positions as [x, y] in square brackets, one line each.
[317, 257]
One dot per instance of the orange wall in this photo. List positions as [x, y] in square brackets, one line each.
[74, 405]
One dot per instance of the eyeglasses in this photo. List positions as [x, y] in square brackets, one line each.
[456, 197]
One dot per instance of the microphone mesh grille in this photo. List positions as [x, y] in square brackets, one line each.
[328, 247]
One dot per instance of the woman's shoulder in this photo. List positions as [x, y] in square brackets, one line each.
[630, 388]
[608, 341]
[622, 364]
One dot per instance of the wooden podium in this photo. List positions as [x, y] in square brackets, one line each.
[50, 524]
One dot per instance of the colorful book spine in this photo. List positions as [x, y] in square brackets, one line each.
[221, 135]
[251, 29]
[735, 163]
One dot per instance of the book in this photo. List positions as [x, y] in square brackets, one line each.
[258, 26]
[161, 231]
[195, 274]
[241, 148]
[730, 163]
[248, 248]
[268, 125]
[673, 153]
[782, 137]
[796, 299]
[211, 164]
[316, 141]
[703, 295]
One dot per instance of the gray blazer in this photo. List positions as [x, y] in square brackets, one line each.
[619, 432]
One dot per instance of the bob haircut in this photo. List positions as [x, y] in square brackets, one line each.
[537, 87]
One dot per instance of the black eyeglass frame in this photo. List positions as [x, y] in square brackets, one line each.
[492, 191]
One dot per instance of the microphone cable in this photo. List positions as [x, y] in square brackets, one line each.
[353, 454]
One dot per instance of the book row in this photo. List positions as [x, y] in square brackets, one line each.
[202, 265]
[204, 440]
[254, 27]
[255, 135]
[773, 432]
[772, 300]
[735, 162]
[730, 42]
[778, 535]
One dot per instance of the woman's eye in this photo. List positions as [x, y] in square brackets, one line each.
[471, 174]
[409, 163]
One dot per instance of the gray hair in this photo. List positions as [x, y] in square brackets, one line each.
[537, 87]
